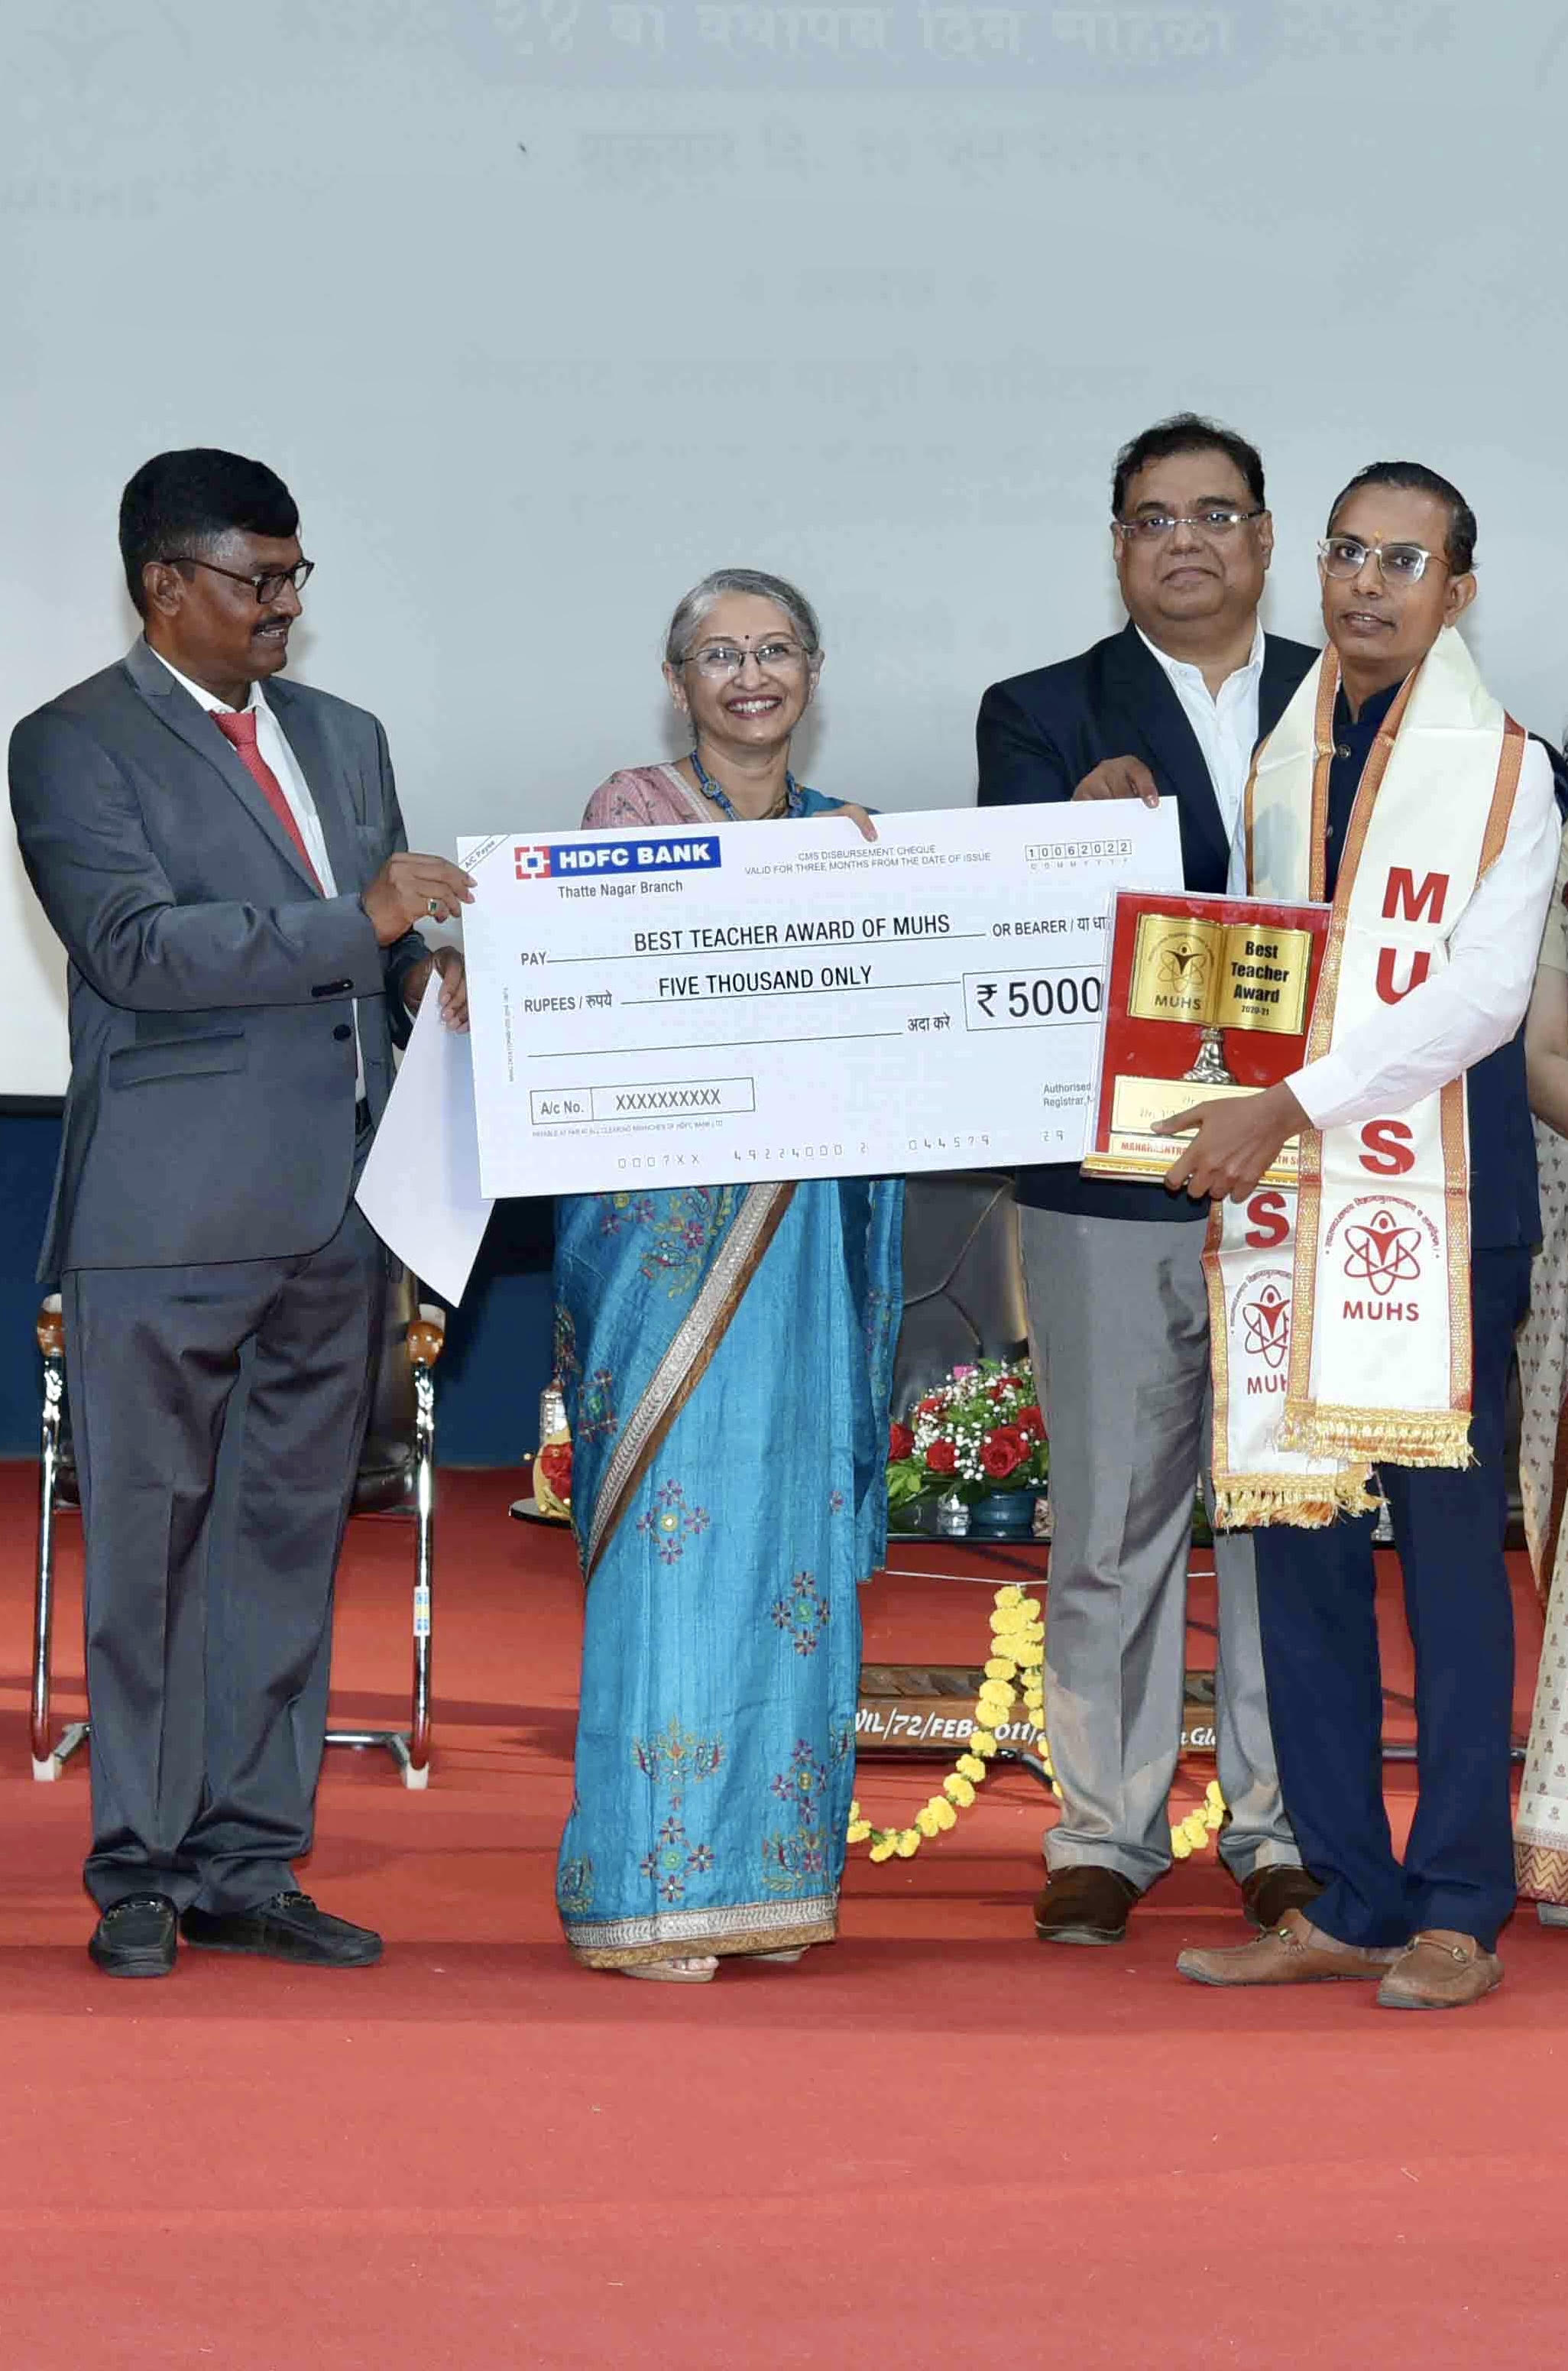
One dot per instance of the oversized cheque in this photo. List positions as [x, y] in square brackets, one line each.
[665, 1007]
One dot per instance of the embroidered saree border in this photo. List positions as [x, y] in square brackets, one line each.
[686, 1361]
[1554, 1512]
[703, 1934]
[702, 811]
[1540, 1871]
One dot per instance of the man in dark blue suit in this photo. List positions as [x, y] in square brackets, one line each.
[1172, 706]
[1397, 570]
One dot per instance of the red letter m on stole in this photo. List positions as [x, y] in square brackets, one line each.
[1402, 893]
[1402, 896]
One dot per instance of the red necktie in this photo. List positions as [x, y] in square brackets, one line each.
[239, 726]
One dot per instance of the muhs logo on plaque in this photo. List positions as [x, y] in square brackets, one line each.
[1207, 996]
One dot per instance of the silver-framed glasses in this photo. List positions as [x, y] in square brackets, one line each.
[1345, 556]
[1216, 520]
[719, 661]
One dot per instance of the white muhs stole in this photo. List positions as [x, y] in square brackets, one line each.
[1339, 1308]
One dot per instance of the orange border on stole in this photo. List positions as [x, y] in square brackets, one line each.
[1310, 1184]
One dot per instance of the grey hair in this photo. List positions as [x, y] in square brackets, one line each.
[693, 607]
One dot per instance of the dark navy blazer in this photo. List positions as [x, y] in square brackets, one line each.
[1040, 733]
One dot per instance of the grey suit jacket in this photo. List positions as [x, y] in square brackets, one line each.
[211, 1110]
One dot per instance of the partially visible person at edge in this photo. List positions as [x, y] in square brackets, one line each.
[222, 855]
[1472, 815]
[1541, 1825]
[725, 1353]
[1118, 1316]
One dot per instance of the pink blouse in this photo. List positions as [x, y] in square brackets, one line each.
[646, 794]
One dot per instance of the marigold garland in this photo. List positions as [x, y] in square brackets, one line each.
[1015, 1667]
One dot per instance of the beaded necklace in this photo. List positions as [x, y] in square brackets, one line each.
[794, 798]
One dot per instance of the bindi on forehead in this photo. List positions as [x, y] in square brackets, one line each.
[743, 619]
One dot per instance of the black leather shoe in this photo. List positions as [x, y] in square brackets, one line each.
[290, 1926]
[1268, 1893]
[1085, 1904]
[137, 1936]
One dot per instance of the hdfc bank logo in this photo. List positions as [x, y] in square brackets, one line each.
[1383, 1242]
[672, 851]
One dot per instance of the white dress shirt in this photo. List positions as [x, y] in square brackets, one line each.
[1226, 725]
[1465, 1012]
[276, 753]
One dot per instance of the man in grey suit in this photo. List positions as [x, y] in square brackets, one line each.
[226, 868]
[1118, 1314]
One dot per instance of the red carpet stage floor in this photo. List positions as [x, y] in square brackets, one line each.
[935, 2143]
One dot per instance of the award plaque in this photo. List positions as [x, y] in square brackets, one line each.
[1205, 997]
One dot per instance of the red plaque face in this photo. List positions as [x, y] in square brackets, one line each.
[1204, 997]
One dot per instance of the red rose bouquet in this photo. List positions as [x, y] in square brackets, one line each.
[980, 1430]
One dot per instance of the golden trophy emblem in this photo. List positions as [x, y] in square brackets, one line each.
[1210, 964]
[1222, 976]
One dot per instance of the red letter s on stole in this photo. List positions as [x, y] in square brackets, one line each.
[1389, 1152]
[1270, 1225]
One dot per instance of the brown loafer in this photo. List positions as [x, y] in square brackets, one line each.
[1294, 1952]
[1085, 1904]
[1269, 1892]
[1441, 1968]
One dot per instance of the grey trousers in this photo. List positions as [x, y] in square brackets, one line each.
[1119, 1335]
[217, 1413]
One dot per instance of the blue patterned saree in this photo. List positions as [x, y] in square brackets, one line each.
[726, 1356]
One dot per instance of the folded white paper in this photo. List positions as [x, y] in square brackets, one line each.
[420, 1188]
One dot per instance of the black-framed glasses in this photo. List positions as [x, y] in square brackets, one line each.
[1345, 556]
[267, 584]
[1151, 526]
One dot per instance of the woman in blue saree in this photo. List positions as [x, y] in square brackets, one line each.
[725, 1354]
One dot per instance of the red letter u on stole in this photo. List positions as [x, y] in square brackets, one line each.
[1420, 965]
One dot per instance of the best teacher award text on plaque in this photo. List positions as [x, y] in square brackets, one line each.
[1205, 997]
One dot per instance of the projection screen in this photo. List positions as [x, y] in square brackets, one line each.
[544, 309]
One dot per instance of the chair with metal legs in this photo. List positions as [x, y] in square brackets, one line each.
[396, 1478]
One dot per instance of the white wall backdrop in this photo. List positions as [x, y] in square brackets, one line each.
[545, 306]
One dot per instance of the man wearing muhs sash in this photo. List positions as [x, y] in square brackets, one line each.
[1394, 786]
